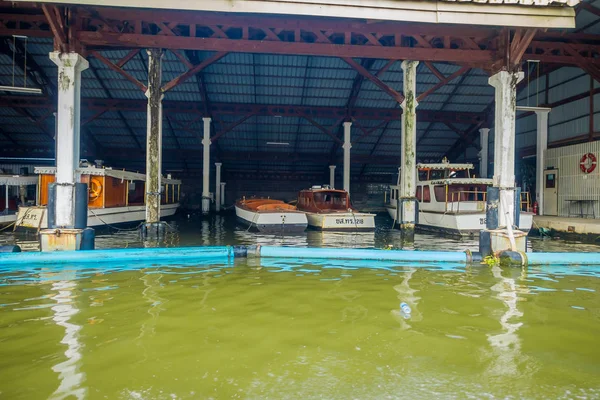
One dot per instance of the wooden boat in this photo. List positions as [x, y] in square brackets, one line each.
[115, 196]
[270, 216]
[18, 190]
[330, 209]
[450, 200]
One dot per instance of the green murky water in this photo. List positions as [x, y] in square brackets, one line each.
[283, 329]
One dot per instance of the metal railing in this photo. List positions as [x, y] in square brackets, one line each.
[465, 196]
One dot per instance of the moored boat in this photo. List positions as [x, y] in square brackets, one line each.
[15, 191]
[330, 209]
[114, 196]
[270, 215]
[450, 200]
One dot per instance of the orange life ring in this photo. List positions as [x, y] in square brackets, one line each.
[95, 189]
[588, 162]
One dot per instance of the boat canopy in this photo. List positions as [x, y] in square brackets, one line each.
[444, 166]
[18, 180]
[115, 173]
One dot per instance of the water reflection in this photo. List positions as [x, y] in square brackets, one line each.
[506, 345]
[407, 295]
[71, 379]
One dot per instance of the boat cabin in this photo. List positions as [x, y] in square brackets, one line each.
[447, 187]
[109, 188]
[15, 191]
[323, 199]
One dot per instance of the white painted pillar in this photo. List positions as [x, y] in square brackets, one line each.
[218, 187]
[332, 176]
[505, 84]
[540, 161]
[347, 146]
[484, 135]
[408, 144]
[6, 199]
[206, 167]
[154, 136]
[70, 66]
[223, 193]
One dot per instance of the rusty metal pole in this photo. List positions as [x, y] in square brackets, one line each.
[154, 136]
[408, 141]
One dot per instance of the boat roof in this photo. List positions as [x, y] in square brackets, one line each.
[18, 180]
[115, 173]
[461, 181]
[320, 189]
[444, 166]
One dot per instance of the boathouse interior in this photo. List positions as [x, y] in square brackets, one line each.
[278, 110]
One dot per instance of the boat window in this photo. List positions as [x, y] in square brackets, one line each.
[440, 193]
[426, 194]
[331, 200]
[419, 193]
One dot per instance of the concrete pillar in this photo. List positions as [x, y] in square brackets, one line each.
[154, 136]
[332, 176]
[206, 167]
[408, 142]
[223, 193]
[484, 141]
[540, 163]
[218, 187]
[505, 84]
[70, 66]
[347, 146]
[6, 199]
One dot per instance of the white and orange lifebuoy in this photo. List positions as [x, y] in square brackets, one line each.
[588, 162]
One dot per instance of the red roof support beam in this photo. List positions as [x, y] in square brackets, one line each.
[193, 71]
[443, 82]
[231, 127]
[325, 130]
[399, 97]
[56, 25]
[119, 70]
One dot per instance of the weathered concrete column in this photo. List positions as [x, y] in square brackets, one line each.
[206, 167]
[408, 142]
[223, 193]
[332, 176]
[154, 136]
[505, 84]
[70, 66]
[218, 187]
[347, 146]
[483, 154]
[540, 162]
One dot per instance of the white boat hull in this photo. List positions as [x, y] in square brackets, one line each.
[465, 224]
[344, 221]
[7, 219]
[273, 222]
[117, 215]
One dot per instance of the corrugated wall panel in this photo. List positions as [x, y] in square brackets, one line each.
[573, 184]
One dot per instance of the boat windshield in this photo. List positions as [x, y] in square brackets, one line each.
[433, 174]
[331, 200]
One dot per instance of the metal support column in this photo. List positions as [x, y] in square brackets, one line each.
[218, 187]
[347, 146]
[206, 167]
[408, 181]
[483, 154]
[223, 193]
[332, 176]
[540, 164]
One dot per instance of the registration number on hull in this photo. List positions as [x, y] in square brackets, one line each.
[351, 221]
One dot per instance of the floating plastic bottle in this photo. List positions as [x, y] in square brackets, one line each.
[405, 308]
